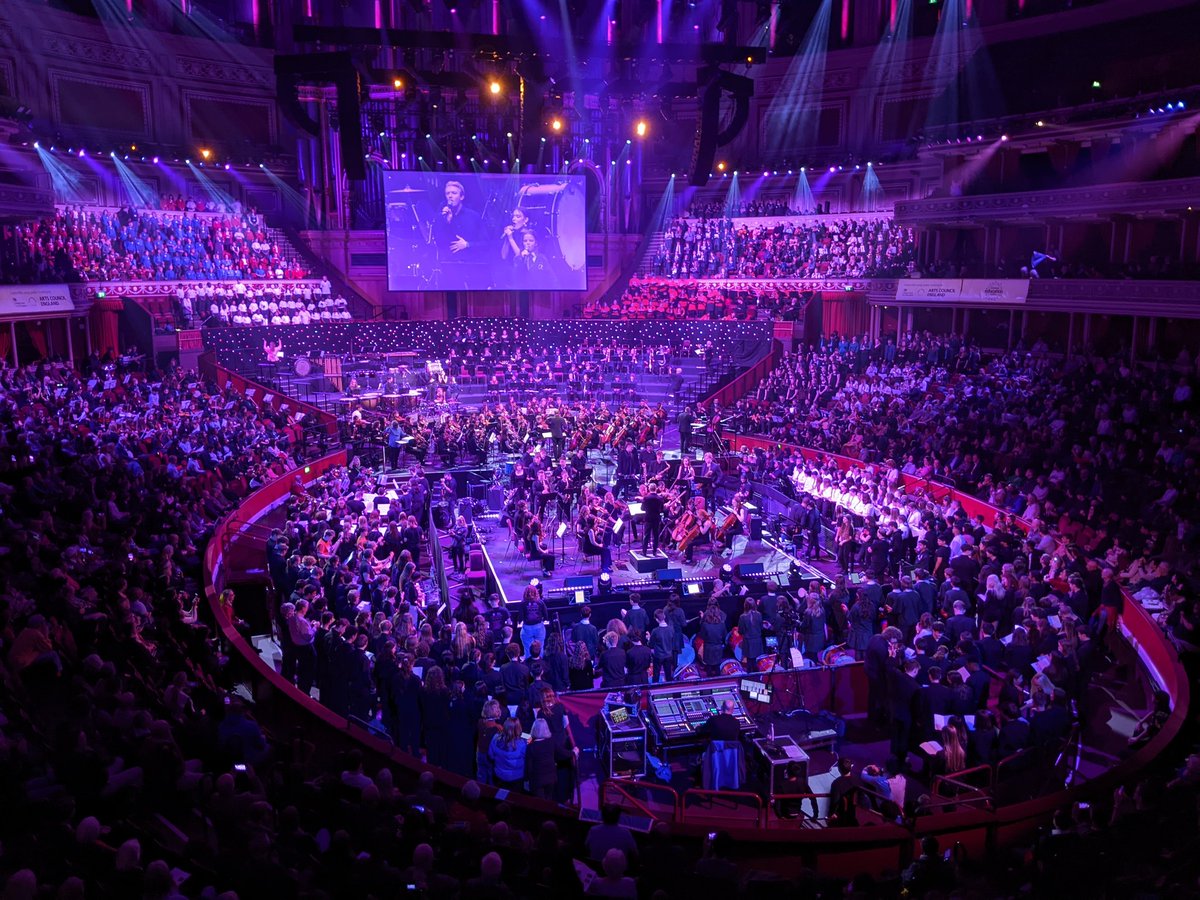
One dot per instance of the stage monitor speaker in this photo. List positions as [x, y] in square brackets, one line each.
[648, 563]
[466, 510]
[756, 528]
[495, 499]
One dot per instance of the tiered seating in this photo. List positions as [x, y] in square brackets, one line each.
[838, 248]
[105, 244]
[668, 298]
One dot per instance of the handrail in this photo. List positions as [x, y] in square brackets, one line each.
[1011, 759]
[651, 787]
[620, 789]
[759, 808]
[1000, 822]
[957, 779]
[437, 557]
[987, 800]
[747, 380]
[777, 820]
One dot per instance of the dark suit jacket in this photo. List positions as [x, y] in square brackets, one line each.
[903, 690]
[877, 660]
[586, 632]
[956, 625]
[723, 727]
[637, 661]
[1049, 725]
[637, 620]
[991, 653]
[1014, 736]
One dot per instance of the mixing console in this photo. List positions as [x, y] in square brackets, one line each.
[679, 712]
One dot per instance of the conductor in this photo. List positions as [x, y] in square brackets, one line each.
[653, 505]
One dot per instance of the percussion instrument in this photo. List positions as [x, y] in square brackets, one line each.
[837, 655]
[690, 672]
[562, 209]
[302, 366]
[732, 667]
[371, 400]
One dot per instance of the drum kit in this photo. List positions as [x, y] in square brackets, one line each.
[562, 208]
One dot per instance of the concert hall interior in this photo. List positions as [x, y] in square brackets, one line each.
[622, 448]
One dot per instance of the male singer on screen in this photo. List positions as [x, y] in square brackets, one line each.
[457, 229]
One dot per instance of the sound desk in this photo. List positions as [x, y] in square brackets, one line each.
[678, 712]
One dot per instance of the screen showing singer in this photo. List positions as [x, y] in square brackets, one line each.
[485, 232]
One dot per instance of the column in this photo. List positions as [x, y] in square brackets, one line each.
[1012, 324]
[1070, 331]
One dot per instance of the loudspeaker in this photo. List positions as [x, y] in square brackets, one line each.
[495, 499]
[756, 528]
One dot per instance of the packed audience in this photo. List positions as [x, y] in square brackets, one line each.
[88, 244]
[118, 701]
[718, 209]
[656, 297]
[181, 203]
[221, 303]
[1094, 452]
[838, 248]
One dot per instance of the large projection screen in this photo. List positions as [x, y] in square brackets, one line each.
[460, 232]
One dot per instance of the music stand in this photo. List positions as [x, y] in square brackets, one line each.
[560, 536]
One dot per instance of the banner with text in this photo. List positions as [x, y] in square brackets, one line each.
[928, 289]
[995, 290]
[963, 290]
[35, 299]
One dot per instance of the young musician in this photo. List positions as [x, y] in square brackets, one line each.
[537, 550]
[701, 528]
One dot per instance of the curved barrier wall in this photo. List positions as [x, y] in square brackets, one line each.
[841, 852]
